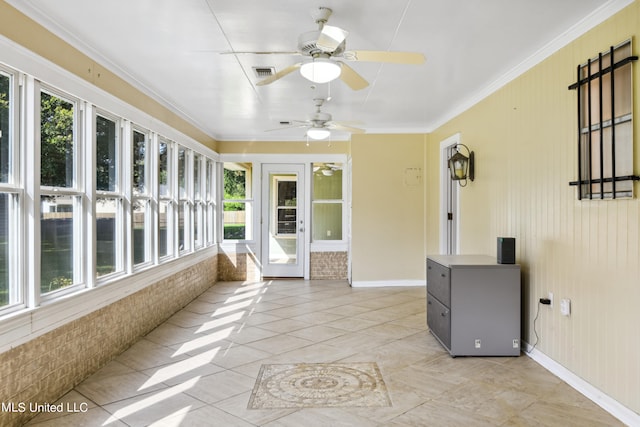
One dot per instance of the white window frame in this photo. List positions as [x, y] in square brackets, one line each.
[185, 202]
[342, 202]
[75, 192]
[146, 198]
[169, 198]
[250, 205]
[118, 195]
[198, 192]
[14, 191]
[211, 214]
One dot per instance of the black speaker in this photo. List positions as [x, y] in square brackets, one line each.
[506, 250]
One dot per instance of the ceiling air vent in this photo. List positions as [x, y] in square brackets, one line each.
[263, 72]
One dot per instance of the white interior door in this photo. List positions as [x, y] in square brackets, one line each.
[452, 210]
[449, 200]
[283, 227]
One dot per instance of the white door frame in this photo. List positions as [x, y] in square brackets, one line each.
[253, 246]
[449, 230]
[299, 269]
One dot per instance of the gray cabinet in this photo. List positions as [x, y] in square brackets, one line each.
[473, 305]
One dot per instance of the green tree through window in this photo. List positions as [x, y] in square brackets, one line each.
[56, 130]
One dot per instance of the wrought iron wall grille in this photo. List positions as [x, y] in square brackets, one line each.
[605, 131]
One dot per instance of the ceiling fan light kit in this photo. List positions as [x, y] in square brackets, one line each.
[320, 70]
[318, 133]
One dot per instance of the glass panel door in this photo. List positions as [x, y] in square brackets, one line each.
[282, 221]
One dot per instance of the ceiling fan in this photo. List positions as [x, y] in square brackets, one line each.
[326, 169]
[320, 124]
[324, 46]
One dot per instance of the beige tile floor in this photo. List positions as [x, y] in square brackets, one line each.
[199, 367]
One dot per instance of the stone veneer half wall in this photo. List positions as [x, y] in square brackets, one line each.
[45, 368]
[328, 266]
[237, 266]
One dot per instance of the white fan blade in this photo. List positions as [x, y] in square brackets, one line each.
[341, 127]
[384, 56]
[354, 80]
[348, 122]
[280, 74]
[231, 52]
[288, 127]
[330, 38]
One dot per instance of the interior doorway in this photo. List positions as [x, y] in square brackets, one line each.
[283, 226]
[449, 200]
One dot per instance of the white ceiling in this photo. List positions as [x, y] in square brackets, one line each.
[172, 50]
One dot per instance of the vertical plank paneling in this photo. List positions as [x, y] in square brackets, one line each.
[524, 136]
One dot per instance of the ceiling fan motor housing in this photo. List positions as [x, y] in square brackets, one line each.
[320, 118]
[321, 14]
[307, 44]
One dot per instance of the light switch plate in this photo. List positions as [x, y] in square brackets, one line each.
[565, 307]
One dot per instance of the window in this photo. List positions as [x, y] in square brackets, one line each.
[327, 202]
[141, 202]
[605, 130]
[10, 292]
[237, 204]
[184, 202]
[90, 164]
[198, 207]
[57, 141]
[7, 110]
[10, 289]
[210, 202]
[285, 204]
[165, 206]
[60, 202]
[109, 208]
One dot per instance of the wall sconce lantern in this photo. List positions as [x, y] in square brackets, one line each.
[461, 166]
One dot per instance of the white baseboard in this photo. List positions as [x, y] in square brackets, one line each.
[596, 395]
[385, 283]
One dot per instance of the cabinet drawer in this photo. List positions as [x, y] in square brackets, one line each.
[438, 282]
[439, 320]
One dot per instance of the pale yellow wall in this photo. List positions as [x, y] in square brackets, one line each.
[24, 31]
[387, 211]
[524, 137]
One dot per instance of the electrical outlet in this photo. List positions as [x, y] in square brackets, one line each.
[565, 306]
[478, 344]
[516, 343]
[550, 299]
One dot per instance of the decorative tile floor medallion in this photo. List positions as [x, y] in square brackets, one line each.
[318, 385]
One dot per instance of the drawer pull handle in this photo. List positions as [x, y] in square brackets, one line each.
[443, 314]
[443, 275]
